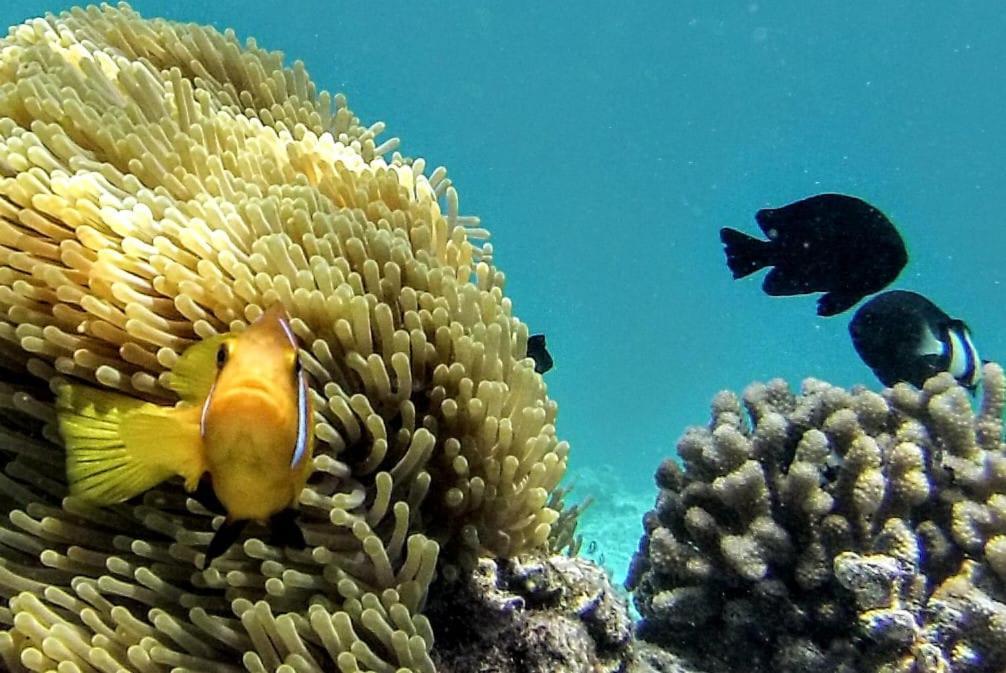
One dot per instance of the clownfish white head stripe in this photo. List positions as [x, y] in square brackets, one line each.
[303, 420]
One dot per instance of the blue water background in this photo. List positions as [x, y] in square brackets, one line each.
[605, 144]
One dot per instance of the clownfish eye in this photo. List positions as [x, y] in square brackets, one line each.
[222, 356]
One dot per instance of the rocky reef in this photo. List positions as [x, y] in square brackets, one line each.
[530, 614]
[540, 614]
[833, 530]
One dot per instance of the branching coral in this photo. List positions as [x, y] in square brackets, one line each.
[162, 183]
[837, 531]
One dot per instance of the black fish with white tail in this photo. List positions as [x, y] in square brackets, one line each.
[830, 243]
[903, 336]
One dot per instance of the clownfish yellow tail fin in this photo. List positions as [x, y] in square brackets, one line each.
[118, 447]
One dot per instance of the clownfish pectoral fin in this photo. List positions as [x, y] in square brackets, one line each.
[226, 535]
[196, 369]
[118, 447]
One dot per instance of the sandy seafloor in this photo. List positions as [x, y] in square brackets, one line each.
[604, 145]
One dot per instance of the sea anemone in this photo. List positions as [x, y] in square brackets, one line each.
[162, 183]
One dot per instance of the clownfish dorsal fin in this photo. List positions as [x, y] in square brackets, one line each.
[195, 371]
[274, 324]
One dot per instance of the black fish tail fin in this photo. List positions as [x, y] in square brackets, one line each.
[745, 254]
[226, 535]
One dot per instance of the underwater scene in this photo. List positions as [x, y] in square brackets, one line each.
[502, 337]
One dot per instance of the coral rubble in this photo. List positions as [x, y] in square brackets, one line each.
[161, 183]
[531, 614]
[833, 530]
[539, 614]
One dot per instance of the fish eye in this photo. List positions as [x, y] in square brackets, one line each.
[222, 356]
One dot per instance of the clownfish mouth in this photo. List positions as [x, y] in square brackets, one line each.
[254, 386]
[255, 399]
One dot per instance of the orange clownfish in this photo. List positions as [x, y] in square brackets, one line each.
[244, 418]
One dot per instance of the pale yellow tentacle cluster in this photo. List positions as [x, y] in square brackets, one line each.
[161, 183]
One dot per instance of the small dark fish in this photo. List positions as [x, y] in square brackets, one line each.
[902, 336]
[830, 243]
[537, 351]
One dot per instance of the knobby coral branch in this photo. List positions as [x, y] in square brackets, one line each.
[834, 530]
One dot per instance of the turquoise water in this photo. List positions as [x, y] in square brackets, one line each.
[605, 147]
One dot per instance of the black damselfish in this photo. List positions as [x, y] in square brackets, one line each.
[830, 243]
[903, 336]
[537, 351]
